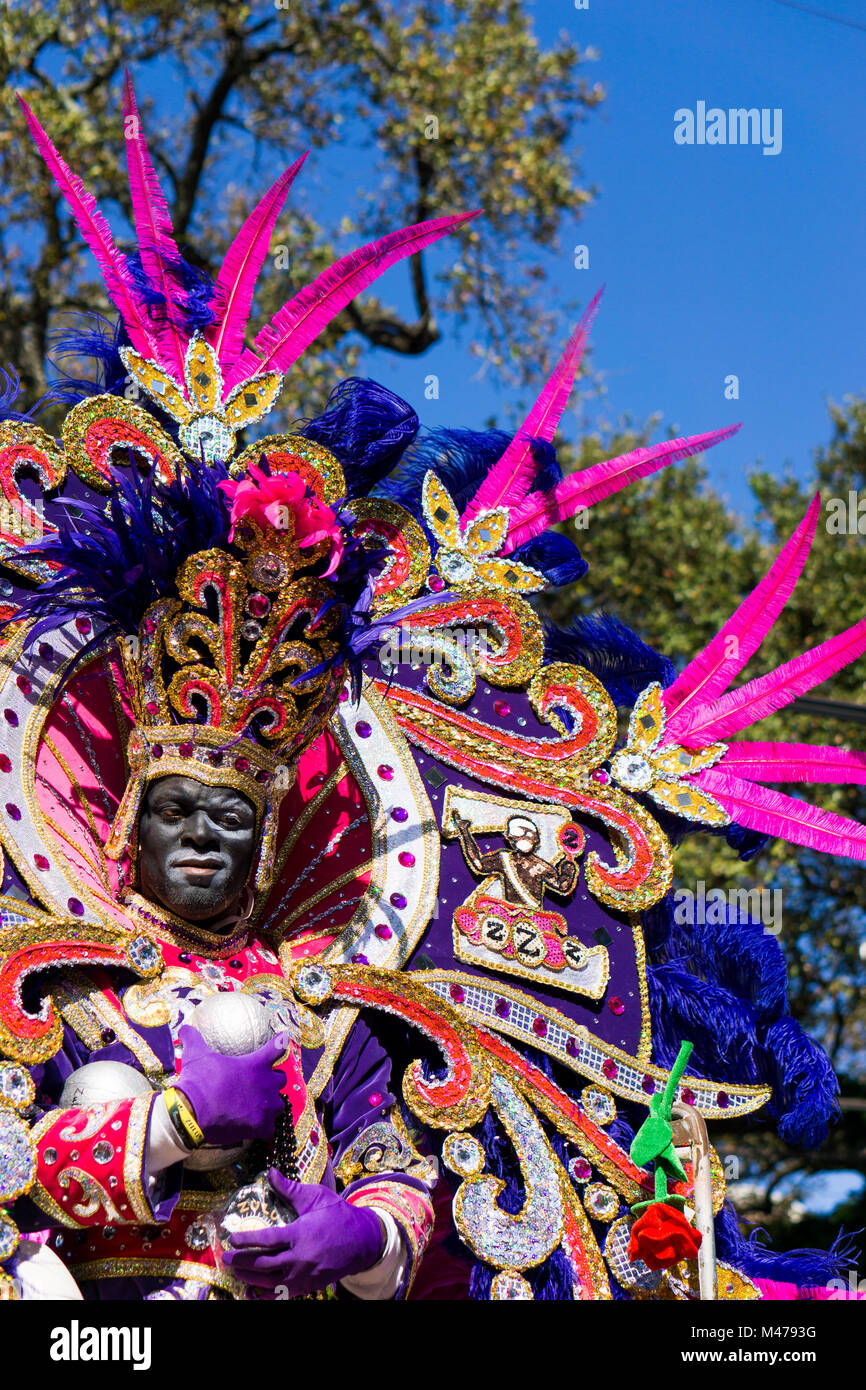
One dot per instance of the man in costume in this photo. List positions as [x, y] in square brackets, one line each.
[213, 790]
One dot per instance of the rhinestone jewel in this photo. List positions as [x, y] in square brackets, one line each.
[314, 982]
[598, 1104]
[632, 771]
[196, 1236]
[16, 1085]
[463, 1154]
[143, 953]
[508, 1286]
[103, 1152]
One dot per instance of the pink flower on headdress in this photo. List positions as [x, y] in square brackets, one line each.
[267, 499]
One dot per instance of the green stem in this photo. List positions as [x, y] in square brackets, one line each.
[677, 1070]
[661, 1183]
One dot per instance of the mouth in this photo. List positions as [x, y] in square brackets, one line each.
[199, 870]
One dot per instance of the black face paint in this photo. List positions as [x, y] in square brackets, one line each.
[196, 847]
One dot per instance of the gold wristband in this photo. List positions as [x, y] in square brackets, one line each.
[188, 1129]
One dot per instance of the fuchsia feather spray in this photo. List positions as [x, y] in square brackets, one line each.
[302, 319]
[509, 482]
[94, 229]
[591, 485]
[155, 234]
[239, 271]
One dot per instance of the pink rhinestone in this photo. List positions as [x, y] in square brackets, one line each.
[83, 625]
[600, 775]
[344, 695]
[539, 1027]
[406, 858]
[242, 764]
[581, 1169]
[375, 1098]
[5, 764]
[185, 750]
[152, 709]
[608, 1067]
[383, 932]
[385, 772]
[257, 605]
[41, 863]
[24, 685]
[457, 992]
[615, 1005]
[502, 708]
[436, 583]
[687, 1096]
[314, 1138]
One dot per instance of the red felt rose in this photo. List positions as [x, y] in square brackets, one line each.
[662, 1237]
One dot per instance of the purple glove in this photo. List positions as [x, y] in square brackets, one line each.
[329, 1240]
[234, 1098]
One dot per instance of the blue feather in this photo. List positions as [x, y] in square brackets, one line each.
[555, 556]
[605, 647]
[367, 427]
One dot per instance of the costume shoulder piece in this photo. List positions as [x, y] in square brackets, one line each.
[453, 829]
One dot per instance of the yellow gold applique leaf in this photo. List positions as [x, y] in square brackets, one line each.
[674, 761]
[508, 574]
[204, 380]
[441, 514]
[487, 532]
[647, 723]
[252, 399]
[688, 802]
[158, 384]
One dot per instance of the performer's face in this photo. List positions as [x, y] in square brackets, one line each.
[196, 847]
[522, 836]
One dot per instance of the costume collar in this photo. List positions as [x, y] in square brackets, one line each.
[157, 921]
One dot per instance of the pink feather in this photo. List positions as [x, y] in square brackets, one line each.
[775, 813]
[239, 271]
[155, 236]
[590, 485]
[709, 673]
[763, 696]
[509, 482]
[794, 762]
[95, 231]
[302, 319]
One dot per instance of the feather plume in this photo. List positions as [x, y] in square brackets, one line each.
[302, 319]
[590, 485]
[713, 669]
[155, 234]
[514, 474]
[95, 231]
[775, 813]
[765, 694]
[794, 762]
[239, 271]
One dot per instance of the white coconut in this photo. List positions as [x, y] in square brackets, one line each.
[232, 1023]
[97, 1082]
[39, 1274]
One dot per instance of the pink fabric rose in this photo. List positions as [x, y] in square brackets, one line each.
[265, 499]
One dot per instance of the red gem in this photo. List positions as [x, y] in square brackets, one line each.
[383, 932]
[24, 685]
[615, 1005]
[257, 605]
[156, 750]
[215, 758]
[406, 858]
[5, 764]
[185, 750]
[687, 1096]
[41, 863]
[458, 993]
[600, 775]
[344, 695]
[375, 1098]
[242, 764]
[385, 772]
[147, 671]
[609, 1068]
[83, 625]
[152, 708]
[581, 1169]
[314, 1138]
[723, 1100]
[502, 708]
[539, 1027]
[435, 583]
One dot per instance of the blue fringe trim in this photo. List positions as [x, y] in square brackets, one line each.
[756, 1260]
[367, 427]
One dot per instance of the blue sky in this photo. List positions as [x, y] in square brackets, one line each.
[717, 259]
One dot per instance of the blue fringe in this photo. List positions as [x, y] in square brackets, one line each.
[611, 651]
[801, 1267]
[555, 556]
[367, 427]
[192, 308]
[95, 339]
[461, 460]
[10, 390]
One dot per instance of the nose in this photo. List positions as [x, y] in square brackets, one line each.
[199, 831]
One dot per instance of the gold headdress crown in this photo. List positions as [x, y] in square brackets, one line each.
[230, 681]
